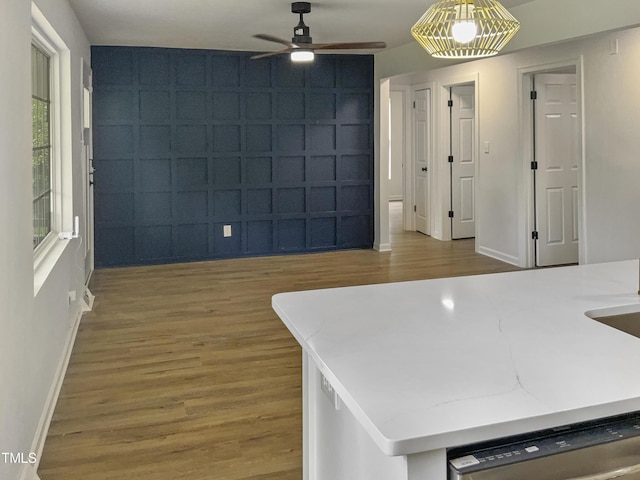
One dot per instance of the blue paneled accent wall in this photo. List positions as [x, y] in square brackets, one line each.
[187, 142]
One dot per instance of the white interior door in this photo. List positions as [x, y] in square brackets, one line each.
[556, 146]
[87, 167]
[463, 169]
[422, 99]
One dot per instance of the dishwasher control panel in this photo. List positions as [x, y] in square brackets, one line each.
[520, 448]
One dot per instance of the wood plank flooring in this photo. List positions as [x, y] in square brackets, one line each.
[184, 371]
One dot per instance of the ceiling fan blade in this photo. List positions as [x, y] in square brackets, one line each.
[270, 54]
[348, 46]
[271, 38]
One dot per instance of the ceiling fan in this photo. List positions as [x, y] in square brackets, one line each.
[301, 46]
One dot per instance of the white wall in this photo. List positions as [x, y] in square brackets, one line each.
[397, 139]
[612, 144]
[612, 202]
[35, 330]
[381, 239]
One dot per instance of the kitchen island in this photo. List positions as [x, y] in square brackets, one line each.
[395, 374]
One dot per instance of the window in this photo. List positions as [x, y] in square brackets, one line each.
[41, 133]
[52, 147]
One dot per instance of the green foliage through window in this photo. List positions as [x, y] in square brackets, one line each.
[41, 130]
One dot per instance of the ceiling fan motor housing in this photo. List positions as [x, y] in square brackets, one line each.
[301, 32]
[300, 7]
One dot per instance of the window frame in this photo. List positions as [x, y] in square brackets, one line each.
[44, 36]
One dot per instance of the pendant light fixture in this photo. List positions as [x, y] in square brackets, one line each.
[465, 28]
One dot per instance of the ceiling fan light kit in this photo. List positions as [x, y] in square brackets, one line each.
[302, 55]
[301, 47]
[465, 28]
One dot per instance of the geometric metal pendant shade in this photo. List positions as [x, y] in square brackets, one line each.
[465, 28]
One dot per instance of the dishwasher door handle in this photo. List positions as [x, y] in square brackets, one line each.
[621, 473]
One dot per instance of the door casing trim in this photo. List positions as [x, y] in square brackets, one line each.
[526, 246]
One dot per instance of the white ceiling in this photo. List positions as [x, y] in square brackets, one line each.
[230, 24]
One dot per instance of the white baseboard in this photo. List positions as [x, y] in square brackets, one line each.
[29, 472]
[382, 247]
[499, 256]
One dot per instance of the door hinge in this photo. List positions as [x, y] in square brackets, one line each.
[450, 103]
[415, 208]
[534, 235]
[534, 165]
[414, 104]
[450, 213]
[534, 95]
[450, 158]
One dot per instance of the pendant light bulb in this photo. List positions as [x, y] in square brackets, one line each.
[464, 28]
[464, 31]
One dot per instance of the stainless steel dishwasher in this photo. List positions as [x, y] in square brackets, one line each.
[599, 450]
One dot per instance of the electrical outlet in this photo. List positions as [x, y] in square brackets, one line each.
[226, 230]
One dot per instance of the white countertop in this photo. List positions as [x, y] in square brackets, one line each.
[436, 363]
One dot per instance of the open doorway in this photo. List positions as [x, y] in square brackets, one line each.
[87, 170]
[410, 156]
[432, 196]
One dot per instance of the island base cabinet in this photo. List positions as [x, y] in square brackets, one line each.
[337, 447]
